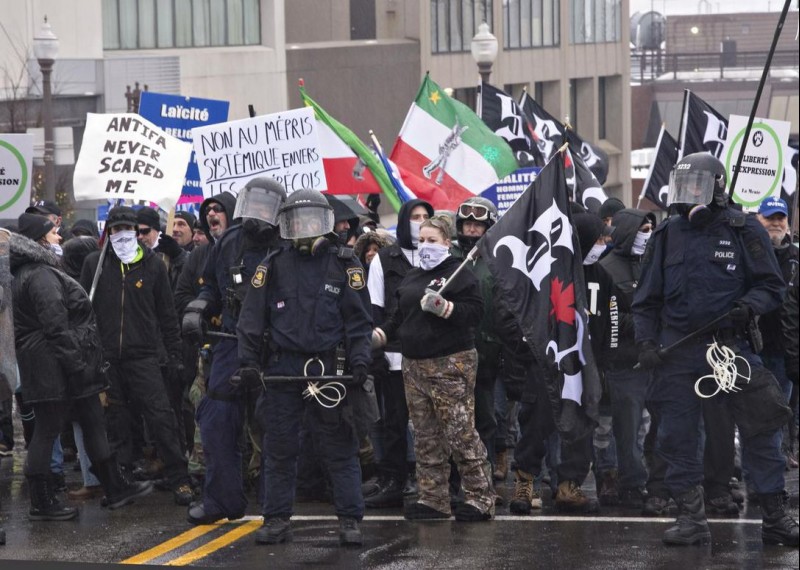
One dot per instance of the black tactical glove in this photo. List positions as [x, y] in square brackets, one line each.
[194, 324]
[359, 374]
[740, 315]
[247, 376]
[169, 247]
[648, 355]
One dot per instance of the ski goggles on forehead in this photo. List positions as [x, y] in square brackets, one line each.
[479, 213]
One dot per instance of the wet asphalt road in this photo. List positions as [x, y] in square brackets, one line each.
[153, 532]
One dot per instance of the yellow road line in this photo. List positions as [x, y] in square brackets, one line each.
[171, 544]
[216, 544]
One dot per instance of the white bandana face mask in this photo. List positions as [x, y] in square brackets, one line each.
[594, 254]
[56, 248]
[124, 244]
[413, 228]
[640, 242]
[431, 255]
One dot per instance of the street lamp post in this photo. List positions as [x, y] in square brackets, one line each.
[484, 51]
[45, 49]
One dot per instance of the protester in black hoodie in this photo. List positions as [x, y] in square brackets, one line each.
[627, 387]
[436, 332]
[385, 275]
[135, 315]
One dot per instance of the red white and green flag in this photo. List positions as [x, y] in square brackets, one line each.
[350, 166]
[445, 142]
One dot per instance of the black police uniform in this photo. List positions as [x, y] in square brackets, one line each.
[691, 276]
[308, 305]
[220, 415]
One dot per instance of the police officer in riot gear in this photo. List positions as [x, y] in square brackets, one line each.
[220, 415]
[710, 262]
[310, 300]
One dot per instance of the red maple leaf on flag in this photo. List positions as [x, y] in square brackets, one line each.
[562, 301]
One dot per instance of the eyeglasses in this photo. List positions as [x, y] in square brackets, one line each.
[216, 208]
[478, 213]
[144, 231]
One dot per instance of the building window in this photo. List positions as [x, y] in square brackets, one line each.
[148, 24]
[601, 108]
[455, 22]
[530, 23]
[595, 21]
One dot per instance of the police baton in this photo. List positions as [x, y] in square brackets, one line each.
[663, 352]
[217, 334]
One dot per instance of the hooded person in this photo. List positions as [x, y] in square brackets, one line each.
[369, 244]
[627, 386]
[75, 252]
[216, 215]
[386, 272]
[59, 355]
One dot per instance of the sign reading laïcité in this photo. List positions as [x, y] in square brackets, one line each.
[761, 170]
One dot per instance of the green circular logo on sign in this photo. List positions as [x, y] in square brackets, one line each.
[779, 172]
[23, 180]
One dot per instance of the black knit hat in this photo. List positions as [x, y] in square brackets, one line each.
[34, 226]
[44, 207]
[187, 217]
[149, 217]
[610, 207]
[121, 216]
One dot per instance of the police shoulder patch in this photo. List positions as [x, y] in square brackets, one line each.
[259, 277]
[355, 278]
[756, 249]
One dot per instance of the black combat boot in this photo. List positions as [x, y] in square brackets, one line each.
[274, 531]
[349, 533]
[691, 526]
[120, 491]
[777, 526]
[388, 496]
[44, 504]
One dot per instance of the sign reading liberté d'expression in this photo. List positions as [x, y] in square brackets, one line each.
[283, 146]
[178, 115]
[16, 158]
[125, 156]
[761, 170]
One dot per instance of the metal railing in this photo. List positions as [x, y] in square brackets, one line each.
[652, 65]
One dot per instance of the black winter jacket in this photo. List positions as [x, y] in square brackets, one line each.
[423, 334]
[134, 306]
[58, 346]
[780, 327]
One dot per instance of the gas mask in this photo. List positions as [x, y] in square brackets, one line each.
[310, 245]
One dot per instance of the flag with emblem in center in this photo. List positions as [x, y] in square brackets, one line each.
[444, 141]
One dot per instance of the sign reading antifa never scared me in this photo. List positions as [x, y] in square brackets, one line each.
[284, 146]
[124, 156]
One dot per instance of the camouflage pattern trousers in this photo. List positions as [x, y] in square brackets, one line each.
[441, 406]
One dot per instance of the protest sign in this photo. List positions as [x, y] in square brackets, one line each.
[178, 115]
[761, 171]
[16, 157]
[125, 156]
[284, 146]
[508, 189]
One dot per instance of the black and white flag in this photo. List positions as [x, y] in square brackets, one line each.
[703, 129]
[547, 132]
[656, 185]
[533, 253]
[594, 157]
[503, 115]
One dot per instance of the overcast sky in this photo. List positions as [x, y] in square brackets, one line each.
[672, 7]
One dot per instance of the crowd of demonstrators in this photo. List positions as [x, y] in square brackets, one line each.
[231, 264]
[266, 285]
[310, 301]
[436, 332]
